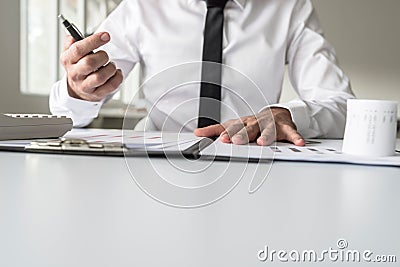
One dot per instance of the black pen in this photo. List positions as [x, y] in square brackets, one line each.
[71, 28]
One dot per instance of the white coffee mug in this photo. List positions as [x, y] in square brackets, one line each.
[371, 128]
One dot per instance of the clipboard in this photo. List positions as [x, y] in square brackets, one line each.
[82, 147]
[100, 142]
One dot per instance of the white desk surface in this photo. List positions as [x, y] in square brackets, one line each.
[58, 210]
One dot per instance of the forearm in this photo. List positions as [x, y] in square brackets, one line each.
[321, 84]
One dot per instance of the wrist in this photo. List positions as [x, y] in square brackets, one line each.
[72, 93]
[279, 111]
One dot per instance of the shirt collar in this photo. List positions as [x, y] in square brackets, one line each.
[240, 3]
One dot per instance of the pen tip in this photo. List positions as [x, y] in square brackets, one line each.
[61, 17]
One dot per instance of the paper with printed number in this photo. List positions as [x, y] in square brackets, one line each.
[315, 151]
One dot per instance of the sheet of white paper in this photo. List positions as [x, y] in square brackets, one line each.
[324, 151]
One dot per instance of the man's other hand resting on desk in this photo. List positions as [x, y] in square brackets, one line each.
[264, 128]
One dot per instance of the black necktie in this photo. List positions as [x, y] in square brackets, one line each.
[210, 92]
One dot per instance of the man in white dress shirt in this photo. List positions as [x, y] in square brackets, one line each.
[260, 38]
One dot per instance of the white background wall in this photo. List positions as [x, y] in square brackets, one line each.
[365, 33]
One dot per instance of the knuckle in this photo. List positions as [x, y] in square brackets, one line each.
[104, 55]
[77, 50]
[87, 86]
[101, 92]
[99, 77]
[238, 125]
[114, 83]
[113, 67]
[64, 59]
[230, 128]
[84, 87]
[249, 119]
[243, 132]
[268, 131]
[88, 61]
[252, 128]
[73, 75]
[235, 122]
[120, 78]
[227, 123]
[254, 122]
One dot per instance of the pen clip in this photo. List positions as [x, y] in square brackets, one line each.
[77, 30]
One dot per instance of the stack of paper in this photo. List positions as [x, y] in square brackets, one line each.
[150, 141]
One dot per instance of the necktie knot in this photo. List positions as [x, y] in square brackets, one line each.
[216, 3]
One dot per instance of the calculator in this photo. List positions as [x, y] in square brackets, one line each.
[33, 126]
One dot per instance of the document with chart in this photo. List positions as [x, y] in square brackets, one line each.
[321, 150]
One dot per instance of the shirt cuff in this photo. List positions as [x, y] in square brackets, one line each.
[81, 112]
[298, 111]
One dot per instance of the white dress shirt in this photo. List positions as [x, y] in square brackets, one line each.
[260, 38]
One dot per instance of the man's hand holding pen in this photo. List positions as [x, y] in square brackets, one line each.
[90, 76]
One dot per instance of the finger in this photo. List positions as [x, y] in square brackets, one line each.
[268, 135]
[92, 62]
[81, 48]
[110, 86]
[246, 135]
[98, 78]
[231, 130]
[293, 136]
[225, 138]
[209, 131]
[68, 42]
